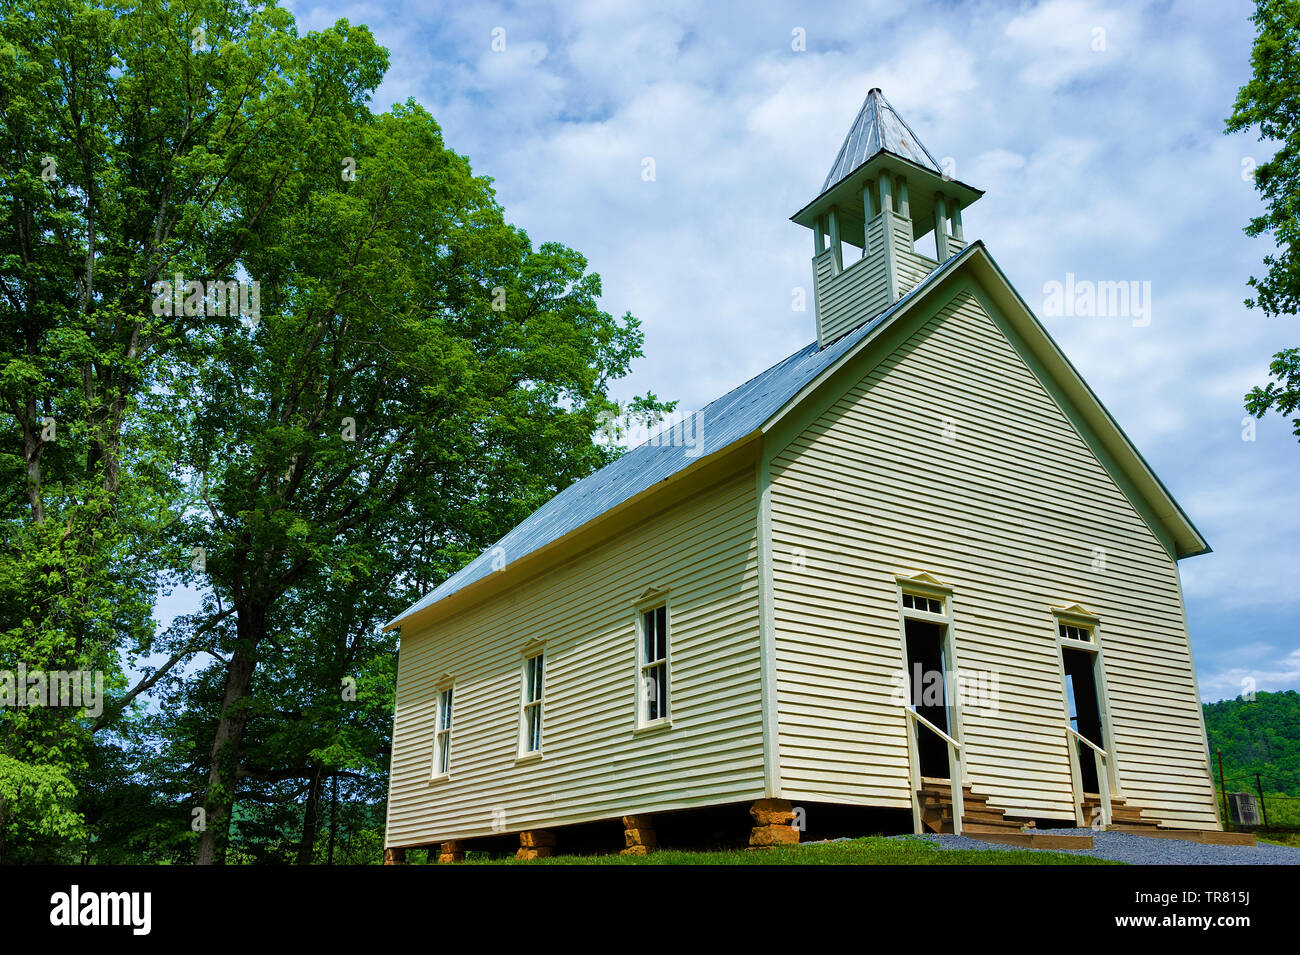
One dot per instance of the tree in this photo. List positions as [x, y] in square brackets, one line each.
[420, 379]
[111, 178]
[293, 353]
[1270, 101]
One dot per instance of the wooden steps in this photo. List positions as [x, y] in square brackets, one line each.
[1126, 818]
[1121, 813]
[984, 822]
[936, 809]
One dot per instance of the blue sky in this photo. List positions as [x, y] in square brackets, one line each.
[1109, 163]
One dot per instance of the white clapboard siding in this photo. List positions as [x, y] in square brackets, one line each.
[912, 265]
[1009, 513]
[847, 300]
[704, 553]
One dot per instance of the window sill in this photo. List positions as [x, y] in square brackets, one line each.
[526, 758]
[658, 726]
[440, 778]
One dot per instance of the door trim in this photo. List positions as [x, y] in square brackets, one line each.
[1075, 615]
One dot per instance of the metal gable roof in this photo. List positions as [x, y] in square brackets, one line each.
[878, 128]
[719, 425]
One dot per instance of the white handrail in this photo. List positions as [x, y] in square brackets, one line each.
[1083, 739]
[933, 729]
[914, 772]
[1101, 761]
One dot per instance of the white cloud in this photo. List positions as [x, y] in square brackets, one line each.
[1281, 673]
[1067, 40]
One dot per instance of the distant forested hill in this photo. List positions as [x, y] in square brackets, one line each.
[1260, 736]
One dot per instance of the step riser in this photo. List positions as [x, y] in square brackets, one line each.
[977, 815]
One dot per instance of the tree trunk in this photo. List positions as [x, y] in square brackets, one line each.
[223, 764]
[32, 459]
[334, 816]
[310, 814]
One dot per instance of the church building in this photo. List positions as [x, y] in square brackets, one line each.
[913, 575]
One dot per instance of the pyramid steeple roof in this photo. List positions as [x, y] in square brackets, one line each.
[878, 128]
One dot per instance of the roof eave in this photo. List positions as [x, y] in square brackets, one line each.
[964, 191]
[527, 566]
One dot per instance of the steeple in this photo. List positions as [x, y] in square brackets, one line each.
[884, 192]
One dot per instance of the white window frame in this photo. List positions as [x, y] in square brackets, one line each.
[528, 704]
[444, 716]
[643, 664]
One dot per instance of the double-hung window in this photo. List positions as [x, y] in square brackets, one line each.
[532, 716]
[653, 665]
[442, 740]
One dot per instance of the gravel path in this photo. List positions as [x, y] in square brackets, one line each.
[1143, 850]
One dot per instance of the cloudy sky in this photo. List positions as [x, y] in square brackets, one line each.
[1096, 131]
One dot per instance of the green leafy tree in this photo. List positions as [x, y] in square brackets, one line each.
[410, 378]
[1270, 103]
[421, 378]
[108, 179]
[1257, 735]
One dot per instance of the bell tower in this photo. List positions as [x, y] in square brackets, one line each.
[884, 193]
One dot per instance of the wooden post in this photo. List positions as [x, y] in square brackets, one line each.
[1076, 777]
[819, 244]
[639, 837]
[940, 227]
[913, 772]
[955, 787]
[837, 251]
[904, 204]
[886, 207]
[1103, 788]
[1259, 788]
[869, 213]
[956, 221]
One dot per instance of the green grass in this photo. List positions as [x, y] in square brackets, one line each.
[873, 850]
[1291, 839]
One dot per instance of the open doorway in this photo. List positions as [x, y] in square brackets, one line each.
[1084, 710]
[927, 694]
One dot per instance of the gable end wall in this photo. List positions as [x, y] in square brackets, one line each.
[1015, 513]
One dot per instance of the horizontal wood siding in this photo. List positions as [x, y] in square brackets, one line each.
[913, 267]
[856, 295]
[1012, 513]
[704, 553]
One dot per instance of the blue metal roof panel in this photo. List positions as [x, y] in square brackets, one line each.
[720, 424]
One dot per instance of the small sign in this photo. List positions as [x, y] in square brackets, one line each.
[1244, 809]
